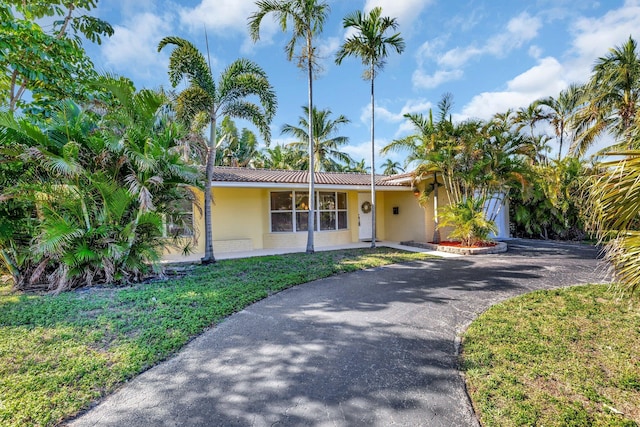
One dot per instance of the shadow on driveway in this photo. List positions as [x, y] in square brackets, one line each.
[375, 347]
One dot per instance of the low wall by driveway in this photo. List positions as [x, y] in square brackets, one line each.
[499, 247]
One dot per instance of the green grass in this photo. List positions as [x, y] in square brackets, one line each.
[60, 353]
[568, 357]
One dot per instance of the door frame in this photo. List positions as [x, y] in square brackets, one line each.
[364, 227]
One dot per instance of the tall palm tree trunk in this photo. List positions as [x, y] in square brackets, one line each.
[208, 197]
[373, 163]
[312, 171]
[436, 225]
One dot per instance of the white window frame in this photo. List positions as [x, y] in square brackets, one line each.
[294, 211]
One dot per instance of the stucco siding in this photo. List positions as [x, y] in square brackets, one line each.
[409, 222]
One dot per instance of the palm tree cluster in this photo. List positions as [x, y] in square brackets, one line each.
[475, 161]
[86, 192]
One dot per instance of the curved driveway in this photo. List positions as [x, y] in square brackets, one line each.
[376, 347]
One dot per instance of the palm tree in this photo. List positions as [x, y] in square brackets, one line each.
[238, 149]
[612, 98]
[104, 183]
[307, 17]
[281, 157]
[326, 145]
[613, 214]
[560, 111]
[370, 44]
[391, 167]
[355, 167]
[231, 96]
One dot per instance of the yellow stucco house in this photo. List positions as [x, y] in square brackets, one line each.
[267, 209]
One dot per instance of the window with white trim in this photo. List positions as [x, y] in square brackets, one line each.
[287, 216]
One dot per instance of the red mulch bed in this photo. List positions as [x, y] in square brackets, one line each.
[459, 245]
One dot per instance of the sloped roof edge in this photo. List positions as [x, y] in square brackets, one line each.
[246, 175]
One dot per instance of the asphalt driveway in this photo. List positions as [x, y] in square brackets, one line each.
[375, 347]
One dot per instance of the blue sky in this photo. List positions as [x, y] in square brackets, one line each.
[490, 54]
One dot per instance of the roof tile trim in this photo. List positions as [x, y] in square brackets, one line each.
[232, 174]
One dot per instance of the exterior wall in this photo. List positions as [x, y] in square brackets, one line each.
[238, 219]
[381, 231]
[443, 200]
[299, 239]
[241, 221]
[197, 241]
[409, 223]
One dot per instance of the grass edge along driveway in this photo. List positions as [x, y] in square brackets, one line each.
[58, 354]
[564, 357]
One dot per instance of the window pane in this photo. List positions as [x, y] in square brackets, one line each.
[302, 201]
[302, 221]
[342, 200]
[281, 201]
[327, 220]
[327, 201]
[342, 220]
[281, 221]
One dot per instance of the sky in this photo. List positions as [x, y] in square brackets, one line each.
[491, 55]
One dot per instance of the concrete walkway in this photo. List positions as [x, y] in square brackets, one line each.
[375, 348]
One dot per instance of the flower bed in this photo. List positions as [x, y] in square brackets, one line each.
[456, 248]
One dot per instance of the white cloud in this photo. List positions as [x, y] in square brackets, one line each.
[535, 52]
[362, 150]
[406, 11]
[422, 80]
[220, 16]
[593, 37]
[327, 48]
[457, 57]
[133, 46]
[385, 115]
[519, 30]
[544, 79]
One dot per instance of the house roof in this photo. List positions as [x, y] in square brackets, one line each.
[243, 177]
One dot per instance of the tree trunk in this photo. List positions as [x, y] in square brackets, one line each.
[436, 230]
[312, 195]
[373, 163]
[208, 199]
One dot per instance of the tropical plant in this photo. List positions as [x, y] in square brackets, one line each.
[475, 160]
[611, 99]
[306, 18]
[559, 112]
[326, 142]
[47, 65]
[238, 149]
[552, 205]
[355, 167]
[391, 167]
[614, 201]
[104, 184]
[469, 222]
[281, 157]
[369, 43]
[231, 96]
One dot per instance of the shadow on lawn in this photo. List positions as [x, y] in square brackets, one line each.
[374, 347]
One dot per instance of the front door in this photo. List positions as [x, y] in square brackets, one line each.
[364, 216]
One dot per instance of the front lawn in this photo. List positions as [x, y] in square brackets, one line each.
[60, 353]
[567, 357]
